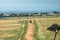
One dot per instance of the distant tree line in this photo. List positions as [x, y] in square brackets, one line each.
[25, 14]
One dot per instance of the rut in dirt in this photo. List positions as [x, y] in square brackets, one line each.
[30, 31]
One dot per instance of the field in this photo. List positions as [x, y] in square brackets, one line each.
[20, 28]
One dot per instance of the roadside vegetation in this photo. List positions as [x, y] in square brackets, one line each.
[25, 31]
[35, 31]
[13, 34]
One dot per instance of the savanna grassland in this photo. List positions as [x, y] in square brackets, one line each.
[20, 28]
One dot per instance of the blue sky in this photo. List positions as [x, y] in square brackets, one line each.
[29, 5]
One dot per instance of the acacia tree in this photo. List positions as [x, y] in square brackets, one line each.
[55, 28]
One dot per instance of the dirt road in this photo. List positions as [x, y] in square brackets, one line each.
[29, 34]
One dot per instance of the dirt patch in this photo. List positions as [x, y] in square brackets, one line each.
[29, 34]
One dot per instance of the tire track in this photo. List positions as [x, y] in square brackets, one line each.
[29, 34]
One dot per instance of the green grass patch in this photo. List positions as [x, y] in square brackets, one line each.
[36, 31]
[25, 30]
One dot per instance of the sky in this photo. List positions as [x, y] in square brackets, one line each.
[29, 5]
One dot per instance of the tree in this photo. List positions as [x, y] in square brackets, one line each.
[1, 14]
[55, 28]
[55, 12]
[13, 15]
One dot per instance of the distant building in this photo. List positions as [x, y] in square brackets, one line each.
[51, 14]
[43, 14]
[36, 14]
[6, 14]
[57, 14]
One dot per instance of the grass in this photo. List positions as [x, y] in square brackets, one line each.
[40, 30]
[44, 23]
[17, 32]
[35, 31]
[25, 30]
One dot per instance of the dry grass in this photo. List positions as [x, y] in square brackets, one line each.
[9, 26]
[43, 24]
[6, 35]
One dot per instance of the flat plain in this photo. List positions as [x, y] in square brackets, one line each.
[16, 28]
